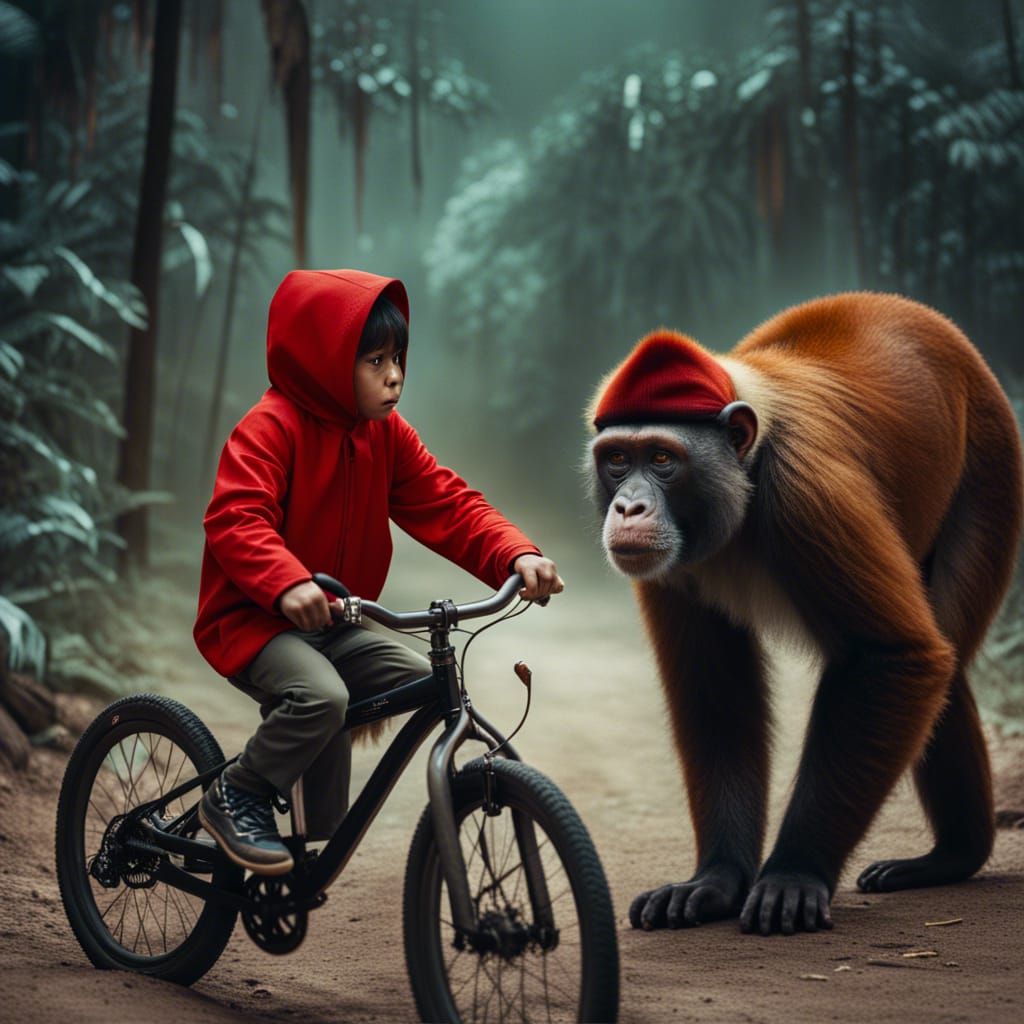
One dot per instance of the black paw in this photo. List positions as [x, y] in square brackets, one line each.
[786, 901]
[709, 896]
[932, 869]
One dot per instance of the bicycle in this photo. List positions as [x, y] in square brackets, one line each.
[506, 909]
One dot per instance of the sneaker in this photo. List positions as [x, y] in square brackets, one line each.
[244, 827]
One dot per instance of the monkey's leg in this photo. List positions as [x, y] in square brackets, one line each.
[713, 679]
[955, 786]
[970, 568]
[865, 726]
[889, 667]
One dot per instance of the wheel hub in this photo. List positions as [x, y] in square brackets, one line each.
[502, 933]
[123, 856]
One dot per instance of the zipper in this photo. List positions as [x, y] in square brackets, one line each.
[348, 474]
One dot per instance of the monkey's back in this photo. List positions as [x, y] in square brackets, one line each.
[893, 383]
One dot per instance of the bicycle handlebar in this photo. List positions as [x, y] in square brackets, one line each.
[404, 620]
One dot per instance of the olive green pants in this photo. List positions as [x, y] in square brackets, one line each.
[303, 682]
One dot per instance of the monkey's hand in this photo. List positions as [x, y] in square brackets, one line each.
[784, 901]
[715, 893]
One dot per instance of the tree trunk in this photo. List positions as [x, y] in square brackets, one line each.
[360, 140]
[931, 279]
[133, 471]
[237, 245]
[902, 219]
[852, 144]
[287, 29]
[966, 278]
[803, 43]
[1010, 33]
[414, 102]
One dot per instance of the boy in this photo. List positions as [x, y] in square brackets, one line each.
[306, 483]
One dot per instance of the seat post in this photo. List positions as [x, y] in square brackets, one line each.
[298, 806]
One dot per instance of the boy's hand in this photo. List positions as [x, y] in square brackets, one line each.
[306, 606]
[540, 577]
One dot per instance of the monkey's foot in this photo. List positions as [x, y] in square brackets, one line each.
[784, 901]
[935, 868]
[709, 896]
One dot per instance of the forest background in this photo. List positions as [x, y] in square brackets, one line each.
[551, 180]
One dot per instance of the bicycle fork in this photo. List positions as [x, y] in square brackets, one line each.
[453, 865]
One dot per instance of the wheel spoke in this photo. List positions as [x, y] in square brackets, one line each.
[131, 773]
[509, 984]
[110, 905]
[140, 766]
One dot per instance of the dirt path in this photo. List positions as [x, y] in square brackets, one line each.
[597, 728]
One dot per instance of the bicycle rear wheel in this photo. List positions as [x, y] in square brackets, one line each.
[138, 749]
[553, 955]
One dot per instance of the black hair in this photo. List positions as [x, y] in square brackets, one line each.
[384, 326]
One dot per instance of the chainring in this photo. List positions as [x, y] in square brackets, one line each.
[275, 925]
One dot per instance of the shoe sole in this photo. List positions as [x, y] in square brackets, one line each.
[256, 867]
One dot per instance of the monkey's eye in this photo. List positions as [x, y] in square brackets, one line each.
[662, 459]
[616, 461]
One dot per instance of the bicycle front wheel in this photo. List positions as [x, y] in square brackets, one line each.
[137, 750]
[540, 895]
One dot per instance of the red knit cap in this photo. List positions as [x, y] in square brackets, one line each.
[667, 377]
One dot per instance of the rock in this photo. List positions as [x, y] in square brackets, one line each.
[14, 745]
[30, 704]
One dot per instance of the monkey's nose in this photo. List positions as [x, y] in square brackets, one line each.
[626, 509]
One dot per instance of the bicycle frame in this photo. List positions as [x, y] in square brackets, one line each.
[435, 698]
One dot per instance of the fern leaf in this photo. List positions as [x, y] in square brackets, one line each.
[27, 644]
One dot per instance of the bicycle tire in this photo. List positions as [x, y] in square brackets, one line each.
[100, 781]
[432, 970]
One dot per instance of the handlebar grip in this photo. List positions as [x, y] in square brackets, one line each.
[329, 583]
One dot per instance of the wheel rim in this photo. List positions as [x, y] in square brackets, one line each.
[521, 980]
[141, 920]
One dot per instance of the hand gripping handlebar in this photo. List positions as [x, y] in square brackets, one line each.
[405, 620]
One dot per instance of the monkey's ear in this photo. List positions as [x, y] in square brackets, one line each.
[740, 421]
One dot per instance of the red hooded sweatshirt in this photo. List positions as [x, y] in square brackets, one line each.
[306, 485]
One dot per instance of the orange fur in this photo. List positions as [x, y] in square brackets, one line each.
[887, 510]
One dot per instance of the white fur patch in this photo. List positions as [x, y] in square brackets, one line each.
[752, 388]
[749, 596]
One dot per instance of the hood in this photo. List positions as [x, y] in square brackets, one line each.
[316, 319]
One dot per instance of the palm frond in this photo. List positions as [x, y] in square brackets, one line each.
[27, 644]
[132, 312]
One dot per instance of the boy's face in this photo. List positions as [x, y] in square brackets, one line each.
[377, 381]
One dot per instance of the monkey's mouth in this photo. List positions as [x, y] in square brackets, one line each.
[639, 560]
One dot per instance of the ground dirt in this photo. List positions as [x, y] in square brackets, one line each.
[597, 727]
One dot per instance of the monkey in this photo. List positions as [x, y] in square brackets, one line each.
[849, 476]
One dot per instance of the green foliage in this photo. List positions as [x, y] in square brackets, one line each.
[361, 56]
[27, 645]
[64, 314]
[56, 315]
[667, 185]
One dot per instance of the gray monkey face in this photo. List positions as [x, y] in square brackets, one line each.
[671, 495]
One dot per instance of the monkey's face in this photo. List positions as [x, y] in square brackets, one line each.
[671, 495]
